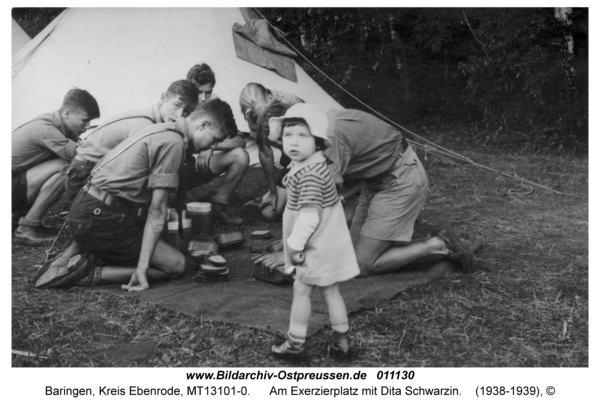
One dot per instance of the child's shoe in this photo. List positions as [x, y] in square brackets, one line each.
[291, 349]
[340, 347]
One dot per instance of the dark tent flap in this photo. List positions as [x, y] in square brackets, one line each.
[255, 43]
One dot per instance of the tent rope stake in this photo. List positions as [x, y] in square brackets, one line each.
[49, 252]
[432, 148]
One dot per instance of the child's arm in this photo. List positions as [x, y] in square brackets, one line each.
[306, 224]
[312, 188]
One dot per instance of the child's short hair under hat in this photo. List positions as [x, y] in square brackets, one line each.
[314, 116]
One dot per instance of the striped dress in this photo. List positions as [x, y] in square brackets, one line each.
[329, 255]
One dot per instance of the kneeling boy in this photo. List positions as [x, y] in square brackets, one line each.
[141, 172]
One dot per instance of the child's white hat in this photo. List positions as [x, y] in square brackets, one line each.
[311, 113]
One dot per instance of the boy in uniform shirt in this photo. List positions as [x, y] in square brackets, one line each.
[228, 157]
[141, 172]
[41, 152]
[178, 101]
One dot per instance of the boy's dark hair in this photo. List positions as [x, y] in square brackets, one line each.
[186, 90]
[290, 122]
[201, 75]
[220, 115]
[81, 99]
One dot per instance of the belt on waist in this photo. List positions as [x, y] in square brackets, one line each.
[78, 158]
[109, 198]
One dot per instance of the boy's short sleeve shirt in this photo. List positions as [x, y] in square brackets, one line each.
[113, 131]
[152, 162]
[362, 145]
[44, 138]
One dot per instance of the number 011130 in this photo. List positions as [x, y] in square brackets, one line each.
[404, 375]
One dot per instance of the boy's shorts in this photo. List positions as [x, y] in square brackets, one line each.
[114, 235]
[388, 207]
[19, 191]
[190, 178]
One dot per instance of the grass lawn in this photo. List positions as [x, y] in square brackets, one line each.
[526, 304]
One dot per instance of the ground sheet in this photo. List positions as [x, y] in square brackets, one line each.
[242, 299]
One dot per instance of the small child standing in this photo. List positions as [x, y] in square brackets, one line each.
[317, 240]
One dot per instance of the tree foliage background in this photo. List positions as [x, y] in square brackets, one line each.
[505, 74]
[502, 74]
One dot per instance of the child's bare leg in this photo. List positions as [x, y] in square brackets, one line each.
[340, 346]
[293, 346]
[301, 308]
[337, 308]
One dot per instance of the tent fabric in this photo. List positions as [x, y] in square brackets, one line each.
[257, 31]
[19, 37]
[22, 58]
[250, 14]
[255, 44]
[127, 57]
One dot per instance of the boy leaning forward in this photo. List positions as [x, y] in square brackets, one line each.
[140, 173]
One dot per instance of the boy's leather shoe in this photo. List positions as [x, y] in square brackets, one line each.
[30, 232]
[459, 252]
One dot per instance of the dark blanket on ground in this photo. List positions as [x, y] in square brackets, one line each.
[244, 300]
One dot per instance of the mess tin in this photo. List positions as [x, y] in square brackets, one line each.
[217, 260]
[214, 270]
[201, 245]
[230, 239]
[261, 234]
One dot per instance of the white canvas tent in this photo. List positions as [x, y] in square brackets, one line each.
[19, 37]
[127, 57]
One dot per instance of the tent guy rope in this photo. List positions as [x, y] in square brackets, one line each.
[436, 150]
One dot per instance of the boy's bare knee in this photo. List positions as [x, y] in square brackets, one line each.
[268, 215]
[365, 265]
[60, 165]
[178, 266]
[172, 261]
[241, 157]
